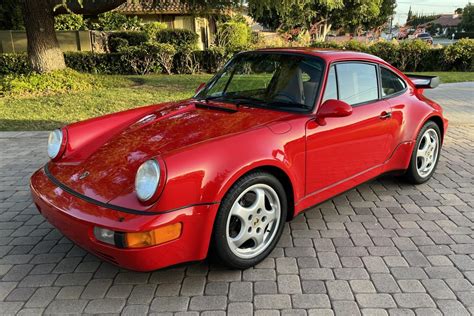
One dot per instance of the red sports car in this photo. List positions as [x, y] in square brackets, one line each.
[275, 132]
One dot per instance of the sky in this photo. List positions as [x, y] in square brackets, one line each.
[426, 7]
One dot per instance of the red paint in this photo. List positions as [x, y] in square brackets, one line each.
[203, 152]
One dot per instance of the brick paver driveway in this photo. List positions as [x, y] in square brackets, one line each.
[385, 247]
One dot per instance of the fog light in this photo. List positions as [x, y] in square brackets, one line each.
[104, 235]
[153, 237]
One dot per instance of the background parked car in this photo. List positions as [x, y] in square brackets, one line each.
[425, 37]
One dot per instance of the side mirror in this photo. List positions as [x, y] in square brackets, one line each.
[333, 108]
[200, 87]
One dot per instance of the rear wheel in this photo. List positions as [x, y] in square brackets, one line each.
[425, 155]
[250, 220]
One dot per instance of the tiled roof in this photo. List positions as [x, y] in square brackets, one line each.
[165, 7]
[154, 6]
[447, 20]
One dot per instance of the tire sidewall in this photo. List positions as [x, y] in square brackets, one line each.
[221, 248]
[413, 171]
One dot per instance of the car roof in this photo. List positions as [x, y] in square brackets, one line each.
[329, 55]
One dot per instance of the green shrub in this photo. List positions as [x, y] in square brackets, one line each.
[14, 64]
[388, 51]
[177, 37]
[42, 84]
[149, 57]
[214, 58]
[356, 46]
[460, 55]
[113, 21]
[334, 45]
[152, 28]
[187, 60]
[69, 22]
[234, 35]
[433, 61]
[411, 53]
[97, 63]
[131, 38]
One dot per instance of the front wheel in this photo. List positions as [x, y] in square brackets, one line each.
[250, 220]
[425, 155]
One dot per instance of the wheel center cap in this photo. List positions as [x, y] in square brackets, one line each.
[255, 222]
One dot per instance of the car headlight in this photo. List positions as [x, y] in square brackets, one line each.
[55, 142]
[147, 180]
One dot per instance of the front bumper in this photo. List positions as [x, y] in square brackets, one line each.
[76, 219]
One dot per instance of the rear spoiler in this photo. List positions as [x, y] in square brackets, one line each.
[424, 82]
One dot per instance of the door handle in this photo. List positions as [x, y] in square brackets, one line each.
[385, 115]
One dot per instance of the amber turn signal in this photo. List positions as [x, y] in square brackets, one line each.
[153, 237]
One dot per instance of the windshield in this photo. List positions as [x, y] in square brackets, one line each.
[276, 80]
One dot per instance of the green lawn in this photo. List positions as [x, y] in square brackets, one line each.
[116, 93]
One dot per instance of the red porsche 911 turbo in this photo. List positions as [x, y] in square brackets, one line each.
[275, 132]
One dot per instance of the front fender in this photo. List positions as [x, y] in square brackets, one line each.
[203, 173]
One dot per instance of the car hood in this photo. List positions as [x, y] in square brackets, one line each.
[111, 169]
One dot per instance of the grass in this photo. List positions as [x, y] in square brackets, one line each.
[115, 93]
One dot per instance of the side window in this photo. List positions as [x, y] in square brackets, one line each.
[391, 83]
[331, 86]
[357, 82]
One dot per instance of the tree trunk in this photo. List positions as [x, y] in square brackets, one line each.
[44, 53]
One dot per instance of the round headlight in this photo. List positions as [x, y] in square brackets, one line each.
[147, 179]
[55, 141]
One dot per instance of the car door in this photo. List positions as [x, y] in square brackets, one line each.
[345, 147]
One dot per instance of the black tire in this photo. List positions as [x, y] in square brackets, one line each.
[219, 245]
[412, 175]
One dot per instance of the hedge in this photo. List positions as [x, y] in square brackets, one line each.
[415, 55]
[122, 62]
[177, 37]
[407, 56]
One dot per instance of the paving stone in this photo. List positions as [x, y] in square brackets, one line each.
[132, 310]
[289, 284]
[66, 307]
[217, 288]
[169, 304]
[411, 286]
[238, 309]
[105, 305]
[70, 292]
[142, 294]
[375, 300]
[339, 290]
[311, 301]
[413, 300]
[202, 303]
[275, 301]
[193, 286]
[241, 291]
[286, 266]
[42, 297]
[96, 288]
[349, 308]
[384, 283]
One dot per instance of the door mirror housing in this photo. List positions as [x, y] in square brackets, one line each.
[333, 108]
[200, 87]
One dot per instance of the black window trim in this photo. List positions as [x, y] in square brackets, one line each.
[396, 94]
[356, 61]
